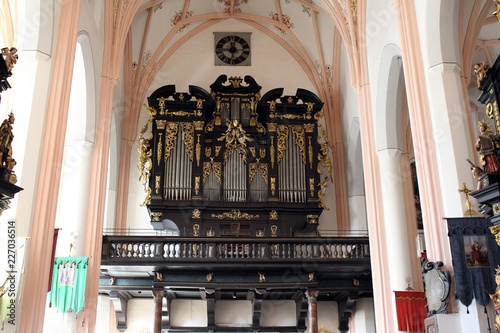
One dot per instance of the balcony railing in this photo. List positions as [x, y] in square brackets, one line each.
[129, 249]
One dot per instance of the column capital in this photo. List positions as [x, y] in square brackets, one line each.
[389, 152]
[158, 293]
[312, 295]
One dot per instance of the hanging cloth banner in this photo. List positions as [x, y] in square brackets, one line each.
[411, 310]
[69, 278]
[53, 257]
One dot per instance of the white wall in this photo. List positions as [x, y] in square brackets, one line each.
[363, 320]
[188, 313]
[140, 315]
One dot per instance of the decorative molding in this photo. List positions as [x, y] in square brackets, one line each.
[235, 214]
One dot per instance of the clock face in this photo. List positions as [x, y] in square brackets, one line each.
[232, 50]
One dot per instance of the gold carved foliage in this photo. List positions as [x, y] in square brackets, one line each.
[171, 135]
[198, 125]
[309, 128]
[196, 214]
[198, 151]
[208, 167]
[156, 216]
[282, 133]
[157, 184]
[145, 162]
[312, 219]
[160, 124]
[324, 154]
[159, 148]
[321, 193]
[272, 152]
[172, 129]
[258, 167]
[311, 186]
[188, 129]
[310, 153]
[235, 214]
[300, 140]
[236, 140]
[147, 200]
[217, 150]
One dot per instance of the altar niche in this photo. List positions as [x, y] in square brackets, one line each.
[233, 162]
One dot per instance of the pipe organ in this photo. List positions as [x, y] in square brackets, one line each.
[231, 162]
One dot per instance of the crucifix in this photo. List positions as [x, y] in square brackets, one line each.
[466, 191]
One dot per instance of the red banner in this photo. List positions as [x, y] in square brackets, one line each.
[411, 311]
[53, 257]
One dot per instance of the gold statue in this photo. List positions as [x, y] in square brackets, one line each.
[480, 70]
[497, 10]
[10, 56]
[496, 300]
[488, 145]
[6, 137]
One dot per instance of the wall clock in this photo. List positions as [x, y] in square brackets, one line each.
[232, 49]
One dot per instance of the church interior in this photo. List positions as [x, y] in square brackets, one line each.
[311, 166]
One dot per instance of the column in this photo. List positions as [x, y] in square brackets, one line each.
[47, 185]
[396, 232]
[312, 310]
[158, 299]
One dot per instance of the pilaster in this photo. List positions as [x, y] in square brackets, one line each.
[49, 172]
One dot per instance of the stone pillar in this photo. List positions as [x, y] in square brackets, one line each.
[47, 185]
[312, 310]
[396, 231]
[158, 299]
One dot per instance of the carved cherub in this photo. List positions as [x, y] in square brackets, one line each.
[480, 70]
[11, 57]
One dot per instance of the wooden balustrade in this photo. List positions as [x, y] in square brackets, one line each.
[123, 248]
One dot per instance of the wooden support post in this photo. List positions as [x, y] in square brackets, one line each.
[158, 299]
[312, 310]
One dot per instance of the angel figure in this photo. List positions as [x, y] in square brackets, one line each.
[480, 69]
[11, 57]
[496, 300]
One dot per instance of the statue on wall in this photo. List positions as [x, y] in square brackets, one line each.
[480, 70]
[488, 145]
[10, 56]
[7, 162]
[496, 300]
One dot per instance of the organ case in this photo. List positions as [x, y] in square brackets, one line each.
[232, 162]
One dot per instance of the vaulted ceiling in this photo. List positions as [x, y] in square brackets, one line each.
[307, 29]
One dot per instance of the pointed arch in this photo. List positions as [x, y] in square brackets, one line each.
[389, 100]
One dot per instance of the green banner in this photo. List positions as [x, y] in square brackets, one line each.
[69, 278]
